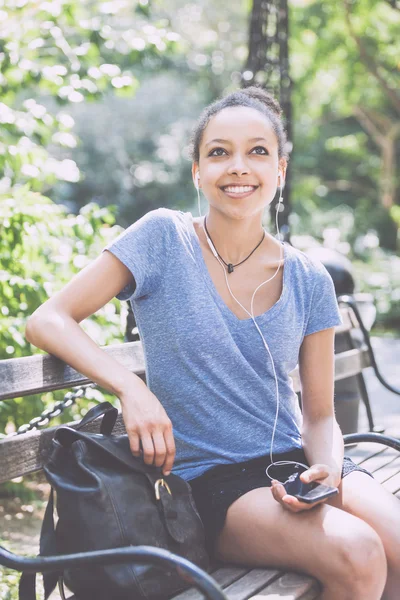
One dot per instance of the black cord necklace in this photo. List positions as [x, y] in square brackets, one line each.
[230, 266]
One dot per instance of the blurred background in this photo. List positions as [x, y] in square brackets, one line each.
[97, 102]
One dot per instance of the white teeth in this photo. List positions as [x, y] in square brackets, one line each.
[236, 189]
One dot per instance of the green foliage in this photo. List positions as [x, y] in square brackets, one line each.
[344, 62]
[59, 50]
[54, 55]
[9, 582]
[42, 248]
[147, 137]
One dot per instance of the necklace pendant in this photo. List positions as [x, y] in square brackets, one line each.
[230, 268]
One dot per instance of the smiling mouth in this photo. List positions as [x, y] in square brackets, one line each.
[238, 191]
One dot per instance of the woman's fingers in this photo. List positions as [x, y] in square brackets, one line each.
[149, 430]
[147, 447]
[315, 473]
[134, 442]
[278, 491]
[170, 446]
[290, 502]
[158, 448]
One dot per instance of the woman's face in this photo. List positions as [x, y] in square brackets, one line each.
[239, 166]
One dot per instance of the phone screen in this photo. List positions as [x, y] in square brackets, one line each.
[308, 492]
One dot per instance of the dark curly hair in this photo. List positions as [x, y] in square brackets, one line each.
[251, 97]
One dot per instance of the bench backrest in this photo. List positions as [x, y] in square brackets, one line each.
[26, 453]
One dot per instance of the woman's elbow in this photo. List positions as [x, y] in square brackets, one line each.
[32, 327]
[38, 324]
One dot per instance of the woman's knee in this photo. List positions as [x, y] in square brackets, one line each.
[360, 563]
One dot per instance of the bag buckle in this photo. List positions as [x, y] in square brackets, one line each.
[162, 483]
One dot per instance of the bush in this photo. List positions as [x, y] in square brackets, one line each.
[42, 248]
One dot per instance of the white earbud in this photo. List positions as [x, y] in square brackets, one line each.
[197, 180]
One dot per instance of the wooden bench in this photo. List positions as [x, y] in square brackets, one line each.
[26, 453]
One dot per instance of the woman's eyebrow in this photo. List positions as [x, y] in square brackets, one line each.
[221, 141]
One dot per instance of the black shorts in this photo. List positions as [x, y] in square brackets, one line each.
[219, 487]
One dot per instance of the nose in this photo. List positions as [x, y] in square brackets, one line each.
[238, 166]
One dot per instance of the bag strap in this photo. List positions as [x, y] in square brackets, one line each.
[48, 547]
[105, 409]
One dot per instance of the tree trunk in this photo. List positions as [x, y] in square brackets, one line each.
[268, 64]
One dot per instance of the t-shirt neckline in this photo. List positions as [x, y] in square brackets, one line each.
[275, 308]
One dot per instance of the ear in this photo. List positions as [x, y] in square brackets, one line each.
[196, 175]
[282, 172]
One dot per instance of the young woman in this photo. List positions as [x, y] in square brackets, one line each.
[218, 359]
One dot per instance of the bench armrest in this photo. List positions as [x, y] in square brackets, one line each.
[349, 301]
[139, 554]
[356, 438]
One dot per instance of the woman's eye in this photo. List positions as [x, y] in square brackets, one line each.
[260, 148]
[216, 150]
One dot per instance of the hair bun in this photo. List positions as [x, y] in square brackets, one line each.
[258, 93]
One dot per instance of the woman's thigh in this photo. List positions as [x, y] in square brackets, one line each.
[324, 542]
[364, 497]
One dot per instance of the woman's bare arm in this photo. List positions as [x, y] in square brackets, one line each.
[322, 438]
[321, 435]
[54, 327]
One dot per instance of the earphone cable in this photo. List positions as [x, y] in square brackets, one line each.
[251, 314]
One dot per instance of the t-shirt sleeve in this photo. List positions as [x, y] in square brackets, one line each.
[143, 249]
[324, 309]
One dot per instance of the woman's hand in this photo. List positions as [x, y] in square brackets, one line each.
[319, 473]
[148, 426]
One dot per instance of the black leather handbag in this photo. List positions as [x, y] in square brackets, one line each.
[107, 498]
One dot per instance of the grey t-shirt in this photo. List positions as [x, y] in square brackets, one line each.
[209, 369]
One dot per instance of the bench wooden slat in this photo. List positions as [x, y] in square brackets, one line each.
[44, 373]
[26, 453]
[379, 461]
[364, 451]
[251, 583]
[291, 586]
[388, 471]
[347, 364]
[393, 484]
[224, 576]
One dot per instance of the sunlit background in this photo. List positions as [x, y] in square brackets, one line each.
[97, 102]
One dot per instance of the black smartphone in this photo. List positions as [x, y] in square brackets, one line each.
[308, 492]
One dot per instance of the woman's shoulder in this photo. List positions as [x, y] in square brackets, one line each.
[166, 218]
[158, 224]
[162, 215]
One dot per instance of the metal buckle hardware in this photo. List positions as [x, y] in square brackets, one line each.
[163, 483]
